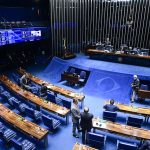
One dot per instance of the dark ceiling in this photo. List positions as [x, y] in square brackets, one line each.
[24, 3]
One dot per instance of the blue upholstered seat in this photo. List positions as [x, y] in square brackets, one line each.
[72, 71]
[22, 107]
[1, 125]
[16, 78]
[82, 77]
[5, 95]
[66, 104]
[126, 146]
[96, 140]
[51, 98]
[2, 129]
[8, 135]
[13, 101]
[10, 100]
[37, 115]
[143, 87]
[111, 116]
[33, 113]
[50, 122]
[22, 145]
[16, 103]
[1, 89]
[135, 122]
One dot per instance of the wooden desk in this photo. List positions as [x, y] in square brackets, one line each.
[22, 124]
[56, 89]
[70, 78]
[94, 51]
[119, 58]
[79, 146]
[133, 110]
[69, 55]
[144, 94]
[125, 130]
[49, 106]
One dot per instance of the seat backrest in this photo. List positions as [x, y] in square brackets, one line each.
[1, 125]
[47, 121]
[96, 140]
[29, 111]
[15, 102]
[144, 87]
[52, 98]
[108, 115]
[72, 70]
[135, 122]
[27, 145]
[6, 95]
[66, 104]
[16, 78]
[9, 134]
[16, 144]
[125, 146]
[1, 89]
[83, 75]
[11, 99]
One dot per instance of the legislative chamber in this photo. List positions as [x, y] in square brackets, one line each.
[74, 75]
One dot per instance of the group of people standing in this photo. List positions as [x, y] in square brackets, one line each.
[82, 121]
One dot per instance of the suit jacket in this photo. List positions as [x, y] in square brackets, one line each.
[136, 84]
[86, 121]
[75, 113]
[110, 107]
[43, 91]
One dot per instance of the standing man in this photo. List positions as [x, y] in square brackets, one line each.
[75, 117]
[135, 87]
[86, 123]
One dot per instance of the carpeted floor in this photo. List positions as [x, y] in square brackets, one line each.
[107, 80]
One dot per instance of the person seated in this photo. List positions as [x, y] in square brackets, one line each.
[99, 46]
[111, 106]
[107, 42]
[98, 43]
[24, 82]
[145, 145]
[43, 91]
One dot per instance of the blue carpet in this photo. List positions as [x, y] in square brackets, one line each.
[106, 80]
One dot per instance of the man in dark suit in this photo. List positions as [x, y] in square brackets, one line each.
[43, 91]
[111, 106]
[145, 145]
[86, 123]
[75, 117]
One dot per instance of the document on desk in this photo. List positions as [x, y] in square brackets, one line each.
[60, 111]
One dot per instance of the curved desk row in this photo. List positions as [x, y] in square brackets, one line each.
[119, 57]
[133, 110]
[23, 125]
[56, 89]
[47, 105]
[121, 129]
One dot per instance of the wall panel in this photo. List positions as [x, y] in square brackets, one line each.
[88, 21]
